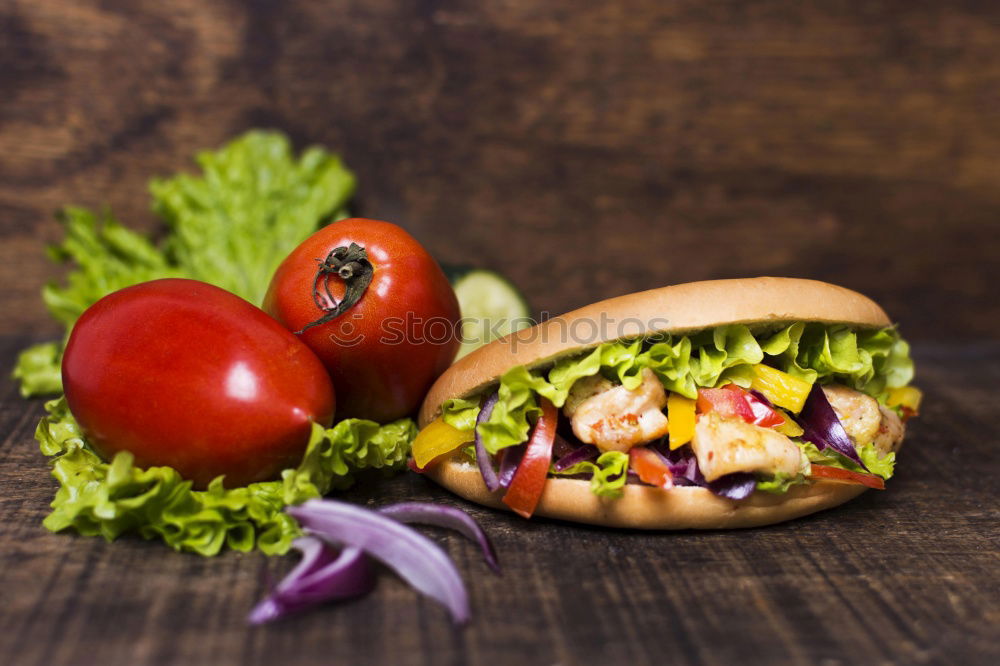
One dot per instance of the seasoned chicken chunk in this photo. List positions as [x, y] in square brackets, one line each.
[616, 419]
[724, 446]
[858, 412]
[890, 431]
[865, 420]
[584, 388]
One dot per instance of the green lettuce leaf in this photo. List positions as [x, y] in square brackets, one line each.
[730, 355]
[672, 364]
[460, 414]
[230, 226]
[869, 361]
[38, 370]
[608, 473]
[110, 499]
[882, 466]
[508, 424]
[107, 257]
[251, 205]
[616, 358]
[780, 483]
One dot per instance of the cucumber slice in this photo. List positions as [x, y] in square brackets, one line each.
[491, 306]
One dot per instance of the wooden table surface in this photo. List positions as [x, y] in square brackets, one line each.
[910, 575]
[585, 150]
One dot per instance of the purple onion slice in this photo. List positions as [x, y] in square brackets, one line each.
[512, 456]
[683, 466]
[324, 574]
[561, 447]
[734, 486]
[822, 427]
[427, 513]
[577, 455]
[682, 463]
[415, 558]
[340, 536]
[483, 458]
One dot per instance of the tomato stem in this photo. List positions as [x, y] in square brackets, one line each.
[351, 265]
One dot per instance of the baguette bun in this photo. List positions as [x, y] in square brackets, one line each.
[677, 309]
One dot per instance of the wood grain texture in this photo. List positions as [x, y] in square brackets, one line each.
[612, 146]
[586, 150]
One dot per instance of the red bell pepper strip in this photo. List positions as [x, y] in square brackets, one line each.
[764, 415]
[715, 400]
[846, 476]
[650, 467]
[529, 479]
[731, 401]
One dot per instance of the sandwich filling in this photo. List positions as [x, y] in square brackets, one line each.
[733, 409]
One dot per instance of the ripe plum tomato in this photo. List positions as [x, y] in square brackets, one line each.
[377, 310]
[185, 374]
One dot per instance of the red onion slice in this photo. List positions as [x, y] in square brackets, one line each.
[418, 560]
[578, 455]
[483, 458]
[448, 517]
[823, 428]
[322, 575]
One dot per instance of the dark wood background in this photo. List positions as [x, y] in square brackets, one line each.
[585, 149]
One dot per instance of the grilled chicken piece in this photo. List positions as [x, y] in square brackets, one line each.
[615, 418]
[864, 419]
[890, 431]
[724, 446]
[584, 388]
[857, 412]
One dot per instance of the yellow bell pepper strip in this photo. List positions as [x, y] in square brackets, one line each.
[780, 388]
[907, 398]
[680, 420]
[437, 439]
[789, 428]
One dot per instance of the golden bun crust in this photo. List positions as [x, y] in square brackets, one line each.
[649, 508]
[675, 309]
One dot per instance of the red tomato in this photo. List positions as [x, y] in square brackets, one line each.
[763, 414]
[732, 402]
[846, 476]
[650, 467]
[185, 374]
[529, 480]
[384, 351]
[729, 402]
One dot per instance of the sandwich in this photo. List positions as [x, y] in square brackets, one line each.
[706, 405]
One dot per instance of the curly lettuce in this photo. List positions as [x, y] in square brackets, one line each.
[38, 369]
[876, 463]
[608, 474]
[460, 413]
[779, 483]
[108, 499]
[231, 225]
